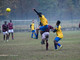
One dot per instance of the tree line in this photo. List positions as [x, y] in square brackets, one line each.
[52, 9]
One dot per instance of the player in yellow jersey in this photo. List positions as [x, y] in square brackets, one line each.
[59, 35]
[33, 29]
[44, 22]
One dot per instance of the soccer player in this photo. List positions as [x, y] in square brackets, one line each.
[10, 26]
[45, 36]
[5, 31]
[33, 29]
[44, 22]
[59, 35]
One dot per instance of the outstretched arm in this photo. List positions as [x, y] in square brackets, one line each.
[37, 13]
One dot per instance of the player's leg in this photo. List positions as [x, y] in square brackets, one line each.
[7, 36]
[47, 44]
[3, 35]
[12, 34]
[56, 42]
[32, 34]
[55, 45]
[43, 41]
[47, 37]
[43, 28]
[9, 32]
[37, 32]
[4, 38]
[43, 38]
[60, 46]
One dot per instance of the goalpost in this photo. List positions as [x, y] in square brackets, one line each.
[22, 25]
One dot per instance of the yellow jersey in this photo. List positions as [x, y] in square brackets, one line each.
[32, 26]
[59, 32]
[43, 20]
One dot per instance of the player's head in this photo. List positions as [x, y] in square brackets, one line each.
[58, 22]
[32, 21]
[10, 20]
[5, 22]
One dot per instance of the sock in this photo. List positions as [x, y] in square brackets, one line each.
[47, 46]
[9, 34]
[55, 46]
[12, 37]
[42, 42]
[59, 44]
[7, 37]
[4, 37]
[36, 35]
[31, 35]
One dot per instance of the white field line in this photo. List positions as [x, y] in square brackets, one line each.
[8, 55]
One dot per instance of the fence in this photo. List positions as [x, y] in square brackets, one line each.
[24, 25]
[66, 23]
[21, 25]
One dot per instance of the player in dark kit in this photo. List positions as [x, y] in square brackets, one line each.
[45, 36]
[5, 31]
[10, 25]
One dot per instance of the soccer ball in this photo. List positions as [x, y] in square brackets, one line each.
[8, 9]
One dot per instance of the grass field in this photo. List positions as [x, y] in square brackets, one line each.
[25, 48]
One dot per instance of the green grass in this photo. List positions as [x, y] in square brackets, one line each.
[25, 48]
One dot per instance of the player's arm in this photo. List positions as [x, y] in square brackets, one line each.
[51, 27]
[54, 30]
[37, 13]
